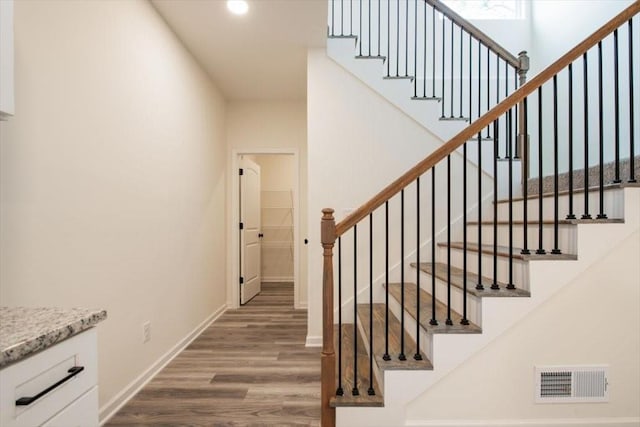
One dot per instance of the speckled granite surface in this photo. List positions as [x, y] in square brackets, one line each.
[24, 331]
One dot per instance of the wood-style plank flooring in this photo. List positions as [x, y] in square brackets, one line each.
[249, 368]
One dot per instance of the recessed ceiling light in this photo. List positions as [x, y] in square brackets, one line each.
[238, 7]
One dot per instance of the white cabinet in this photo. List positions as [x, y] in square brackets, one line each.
[39, 379]
[6, 59]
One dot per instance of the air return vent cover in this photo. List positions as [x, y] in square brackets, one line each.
[564, 384]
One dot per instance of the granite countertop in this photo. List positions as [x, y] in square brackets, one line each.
[24, 331]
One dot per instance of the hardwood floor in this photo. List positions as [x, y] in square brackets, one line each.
[249, 368]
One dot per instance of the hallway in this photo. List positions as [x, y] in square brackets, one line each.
[250, 367]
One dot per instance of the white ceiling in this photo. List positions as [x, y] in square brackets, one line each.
[259, 56]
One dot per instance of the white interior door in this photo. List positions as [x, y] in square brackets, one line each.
[249, 230]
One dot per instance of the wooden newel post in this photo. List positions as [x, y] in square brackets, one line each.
[523, 137]
[328, 360]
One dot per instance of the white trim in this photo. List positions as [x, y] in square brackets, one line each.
[313, 341]
[110, 408]
[545, 422]
[232, 264]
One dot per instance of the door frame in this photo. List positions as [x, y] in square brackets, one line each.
[233, 282]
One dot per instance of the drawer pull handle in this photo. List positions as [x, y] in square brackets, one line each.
[24, 401]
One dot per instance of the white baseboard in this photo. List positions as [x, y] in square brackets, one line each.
[543, 422]
[277, 279]
[313, 341]
[119, 400]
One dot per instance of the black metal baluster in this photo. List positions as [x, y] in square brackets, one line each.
[509, 141]
[388, 58]
[379, 30]
[464, 320]
[571, 215]
[417, 355]
[461, 64]
[488, 85]
[371, 391]
[342, 17]
[369, 26]
[449, 321]
[415, 48]
[525, 186]
[479, 79]
[424, 58]
[433, 321]
[516, 115]
[632, 173]
[339, 390]
[397, 38]
[496, 139]
[433, 52]
[451, 73]
[333, 17]
[585, 173]
[498, 79]
[386, 355]
[354, 390]
[616, 101]
[540, 250]
[470, 79]
[402, 356]
[406, 39]
[479, 285]
[556, 244]
[601, 214]
[360, 36]
[443, 61]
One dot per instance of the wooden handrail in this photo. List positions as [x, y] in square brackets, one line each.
[484, 121]
[477, 33]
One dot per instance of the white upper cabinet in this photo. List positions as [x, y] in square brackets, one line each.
[6, 59]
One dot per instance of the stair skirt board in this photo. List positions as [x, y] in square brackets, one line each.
[446, 351]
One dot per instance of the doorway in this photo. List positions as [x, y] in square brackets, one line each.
[276, 202]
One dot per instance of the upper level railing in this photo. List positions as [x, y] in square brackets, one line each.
[448, 59]
[593, 93]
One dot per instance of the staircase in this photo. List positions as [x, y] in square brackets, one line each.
[416, 290]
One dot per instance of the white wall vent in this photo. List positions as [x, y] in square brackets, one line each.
[565, 384]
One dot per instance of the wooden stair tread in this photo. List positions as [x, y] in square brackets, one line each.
[363, 399]
[410, 297]
[472, 280]
[503, 251]
[394, 340]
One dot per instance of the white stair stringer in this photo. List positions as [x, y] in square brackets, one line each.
[498, 315]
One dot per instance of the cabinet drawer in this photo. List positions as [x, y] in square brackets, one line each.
[81, 413]
[31, 376]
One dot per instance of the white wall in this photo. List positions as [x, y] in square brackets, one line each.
[112, 179]
[593, 320]
[268, 127]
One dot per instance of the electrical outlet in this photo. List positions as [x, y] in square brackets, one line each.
[146, 332]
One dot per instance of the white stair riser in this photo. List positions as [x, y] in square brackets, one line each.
[474, 304]
[567, 236]
[410, 326]
[520, 268]
[612, 206]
